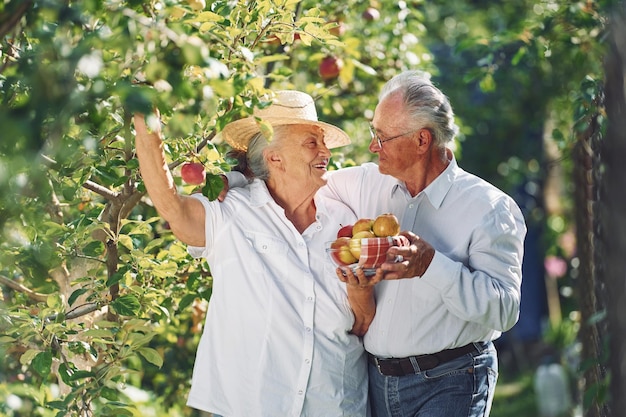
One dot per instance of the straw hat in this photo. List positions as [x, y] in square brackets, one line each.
[289, 107]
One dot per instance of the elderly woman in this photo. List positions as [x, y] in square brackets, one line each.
[282, 333]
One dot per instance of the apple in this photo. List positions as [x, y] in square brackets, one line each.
[338, 30]
[193, 173]
[345, 231]
[197, 4]
[362, 224]
[371, 13]
[355, 242]
[272, 40]
[386, 225]
[330, 67]
[340, 251]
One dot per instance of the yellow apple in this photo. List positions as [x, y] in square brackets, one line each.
[340, 251]
[361, 225]
[197, 4]
[355, 242]
[386, 225]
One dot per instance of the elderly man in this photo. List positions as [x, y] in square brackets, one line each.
[430, 344]
[280, 337]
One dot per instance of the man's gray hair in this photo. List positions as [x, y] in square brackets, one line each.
[429, 107]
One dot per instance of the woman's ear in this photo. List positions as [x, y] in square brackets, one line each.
[272, 158]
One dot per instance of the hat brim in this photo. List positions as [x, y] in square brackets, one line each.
[239, 133]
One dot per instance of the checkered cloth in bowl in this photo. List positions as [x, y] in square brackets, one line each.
[374, 250]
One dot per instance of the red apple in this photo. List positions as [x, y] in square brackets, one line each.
[330, 67]
[371, 13]
[192, 173]
[386, 225]
[361, 225]
[355, 242]
[345, 231]
[338, 30]
[340, 251]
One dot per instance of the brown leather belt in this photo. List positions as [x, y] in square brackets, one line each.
[404, 366]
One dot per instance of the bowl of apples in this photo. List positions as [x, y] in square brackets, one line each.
[364, 244]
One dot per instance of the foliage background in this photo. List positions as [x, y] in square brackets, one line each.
[97, 295]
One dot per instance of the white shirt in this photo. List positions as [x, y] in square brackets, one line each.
[471, 290]
[275, 341]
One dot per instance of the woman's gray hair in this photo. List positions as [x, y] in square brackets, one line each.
[429, 107]
[256, 160]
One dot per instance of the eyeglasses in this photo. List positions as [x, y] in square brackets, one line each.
[380, 141]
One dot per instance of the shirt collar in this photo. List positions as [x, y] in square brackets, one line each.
[259, 194]
[437, 190]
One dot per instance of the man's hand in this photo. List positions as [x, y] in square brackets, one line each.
[414, 259]
[222, 195]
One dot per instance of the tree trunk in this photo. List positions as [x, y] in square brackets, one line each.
[613, 216]
[591, 288]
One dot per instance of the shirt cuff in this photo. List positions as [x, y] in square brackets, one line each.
[236, 179]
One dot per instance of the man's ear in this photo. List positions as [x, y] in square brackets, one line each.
[425, 137]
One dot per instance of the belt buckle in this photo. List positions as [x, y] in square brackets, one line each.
[377, 361]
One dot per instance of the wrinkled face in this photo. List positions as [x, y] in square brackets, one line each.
[392, 121]
[302, 153]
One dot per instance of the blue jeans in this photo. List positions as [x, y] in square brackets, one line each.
[462, 387]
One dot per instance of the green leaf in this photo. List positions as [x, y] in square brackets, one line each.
[125, 241]
[98, 333]
[205, 17]
[109, 393]
[186, 301]
[118, 410]
[126, 305]
[117, 276]
[57, 405]
[27, 357]
[139, 339]
[139, 100]
[94, 248]
[76, 375]
[151, 355]
[212, 186]
[521, 52]
[75, 295]
[487, 84]
[54, 301]
[42, 363]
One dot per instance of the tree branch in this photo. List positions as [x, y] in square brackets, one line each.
[103, 191]
[79, 311]
[20, 288]
[14, 18]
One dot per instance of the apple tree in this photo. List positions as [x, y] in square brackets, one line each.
[97, 295]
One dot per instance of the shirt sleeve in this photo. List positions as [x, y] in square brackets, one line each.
[488, 289]
[345, 185]
[213, 214]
